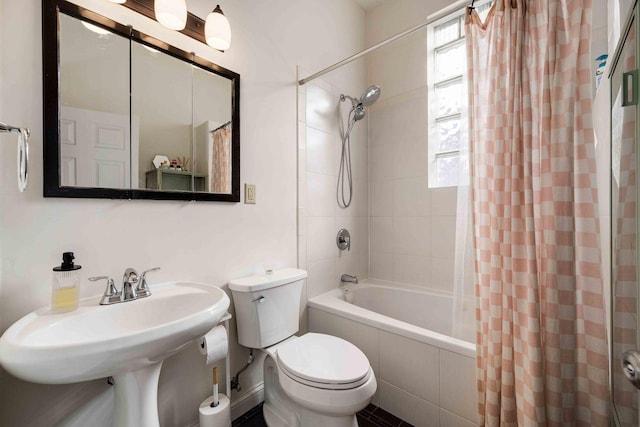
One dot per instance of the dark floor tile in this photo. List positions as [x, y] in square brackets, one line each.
[365, 422]
[386, 416]
[251, 418]
[371, 416]
[370, 408]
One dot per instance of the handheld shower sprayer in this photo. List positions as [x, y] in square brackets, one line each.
[368, 98]
[357, 112]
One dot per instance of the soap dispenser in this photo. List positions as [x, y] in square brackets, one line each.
[66, 281]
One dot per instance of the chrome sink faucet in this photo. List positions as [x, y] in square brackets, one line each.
[129, 279]
[133, 287]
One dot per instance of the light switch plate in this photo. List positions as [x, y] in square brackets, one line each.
[250, 194]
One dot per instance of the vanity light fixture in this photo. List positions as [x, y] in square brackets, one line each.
[217, 30]
[171, 13]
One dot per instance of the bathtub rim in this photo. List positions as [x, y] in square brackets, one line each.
[333, 303]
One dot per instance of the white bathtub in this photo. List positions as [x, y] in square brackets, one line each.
[424, 376]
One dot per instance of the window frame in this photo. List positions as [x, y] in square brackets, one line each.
[433, 83]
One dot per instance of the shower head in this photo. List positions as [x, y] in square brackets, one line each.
[370, 96]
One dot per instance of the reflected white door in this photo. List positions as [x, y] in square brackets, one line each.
[97, 149]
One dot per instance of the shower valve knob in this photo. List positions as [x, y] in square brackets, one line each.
[343, 240]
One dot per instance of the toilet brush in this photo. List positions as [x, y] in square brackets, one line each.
[215, 401]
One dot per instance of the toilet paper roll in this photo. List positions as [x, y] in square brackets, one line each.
[214, 344]
[220, 416]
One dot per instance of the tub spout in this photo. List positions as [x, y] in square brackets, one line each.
[348, 278]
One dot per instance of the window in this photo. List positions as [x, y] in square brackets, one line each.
[447, 62]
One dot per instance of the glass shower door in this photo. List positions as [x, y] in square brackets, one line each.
[625, 358]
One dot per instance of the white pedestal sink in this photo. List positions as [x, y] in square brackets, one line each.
[127, 341]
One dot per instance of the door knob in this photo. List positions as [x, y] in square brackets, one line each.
[631, 367]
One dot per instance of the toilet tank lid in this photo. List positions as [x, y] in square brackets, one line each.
[259, 282]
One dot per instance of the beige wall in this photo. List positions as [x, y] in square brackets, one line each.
[205, 242]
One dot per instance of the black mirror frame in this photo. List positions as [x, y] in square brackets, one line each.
[51, 109]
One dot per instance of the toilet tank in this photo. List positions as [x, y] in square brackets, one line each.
[267, 306]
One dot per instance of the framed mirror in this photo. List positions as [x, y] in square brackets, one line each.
[127, 116]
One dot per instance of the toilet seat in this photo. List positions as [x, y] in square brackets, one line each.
[324, 362]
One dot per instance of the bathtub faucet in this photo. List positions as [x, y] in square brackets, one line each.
[347, 278]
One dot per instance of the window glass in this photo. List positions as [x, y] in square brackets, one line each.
[448, 98]
[448, 169]
[450, 61]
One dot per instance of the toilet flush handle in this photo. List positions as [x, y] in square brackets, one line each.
[259, 300]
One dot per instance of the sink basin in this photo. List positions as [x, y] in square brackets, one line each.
[127, 341]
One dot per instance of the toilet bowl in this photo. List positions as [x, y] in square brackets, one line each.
[314, 380]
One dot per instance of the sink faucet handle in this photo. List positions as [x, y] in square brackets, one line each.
[111, 294]
[143, 289]
[148, 271]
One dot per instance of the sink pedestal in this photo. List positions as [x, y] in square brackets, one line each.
[136, 397]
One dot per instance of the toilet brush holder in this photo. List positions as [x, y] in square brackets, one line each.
[217, 416]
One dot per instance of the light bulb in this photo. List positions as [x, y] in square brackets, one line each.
[171, 13]
[217, 30]
[118, 1]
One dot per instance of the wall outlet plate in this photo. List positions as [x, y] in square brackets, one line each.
[250, 194]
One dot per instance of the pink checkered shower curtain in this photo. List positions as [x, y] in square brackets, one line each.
[541, 337]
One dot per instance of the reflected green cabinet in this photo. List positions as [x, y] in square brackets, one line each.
[176, 180]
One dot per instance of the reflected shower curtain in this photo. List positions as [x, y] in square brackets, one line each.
[541, 338]
[624, 232]
[221, 160]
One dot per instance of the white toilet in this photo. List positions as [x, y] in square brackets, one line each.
[315, 380]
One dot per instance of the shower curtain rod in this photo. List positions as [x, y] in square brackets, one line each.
[221, 126]
[430, 19]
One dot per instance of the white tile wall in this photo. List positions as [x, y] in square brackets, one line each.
[321, 152]
[443, 236]
[320, 108]
[422, 242]
[458, 385]
[411, 269]
[381, 239]
[321, 276]
[381, 194]
[447, 419]
[380, 264]
[443, 201]
[320, 218]
[409, 365]
[411, 197]
[411, 236]
[317, 229]
[410, 158]
[407, 406]
[321, 192]
[381, 161]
